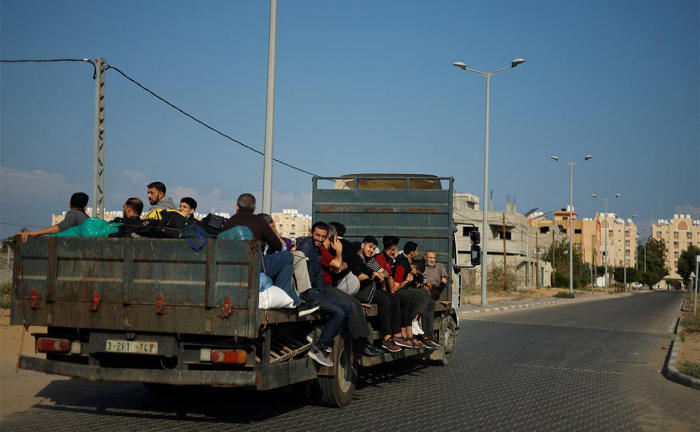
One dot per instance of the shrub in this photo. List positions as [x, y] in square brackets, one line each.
[5, 295]
[691, 324]
[499, 280]
[690, 369]
[564, 294]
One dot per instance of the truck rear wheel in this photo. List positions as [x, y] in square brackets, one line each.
[449, 333]
[338, 390]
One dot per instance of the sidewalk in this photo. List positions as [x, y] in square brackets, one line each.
[470, 309]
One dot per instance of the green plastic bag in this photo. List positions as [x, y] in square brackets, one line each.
[92, 227]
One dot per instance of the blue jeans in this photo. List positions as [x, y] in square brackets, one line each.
[336, 309]
[279, 267]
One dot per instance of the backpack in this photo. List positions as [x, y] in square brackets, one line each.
[213, 223]
[193, 231]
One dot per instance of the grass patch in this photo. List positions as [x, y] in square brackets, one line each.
[5, 295]
[690, 369]
[564, 294]
[691, 324]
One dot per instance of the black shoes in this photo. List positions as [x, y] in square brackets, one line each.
[370, 351]
[307, 307]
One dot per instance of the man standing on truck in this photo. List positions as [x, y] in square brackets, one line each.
[75, 216]
[336, 309]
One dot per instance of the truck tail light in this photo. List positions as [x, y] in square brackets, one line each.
[52, 345]
[229, 356]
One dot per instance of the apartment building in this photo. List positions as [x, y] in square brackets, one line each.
[678, 234]
[290, 223]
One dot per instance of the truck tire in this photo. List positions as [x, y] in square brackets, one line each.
[449, 333]
[338, 390]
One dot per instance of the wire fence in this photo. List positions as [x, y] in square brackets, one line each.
[6, 263]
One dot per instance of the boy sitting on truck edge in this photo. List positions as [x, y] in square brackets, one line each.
[277, 264]
[411, 299]
[332, 263]
[336, 309]
[390, 313]
[75, 216]
[426, 310]
[187, 207]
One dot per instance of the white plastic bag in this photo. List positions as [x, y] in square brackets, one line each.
[274, 298]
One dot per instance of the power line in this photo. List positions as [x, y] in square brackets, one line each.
[85, 60]
[201, 122]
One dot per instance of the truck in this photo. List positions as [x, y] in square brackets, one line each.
[156, 312]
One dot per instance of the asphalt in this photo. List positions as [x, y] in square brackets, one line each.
[580, 366]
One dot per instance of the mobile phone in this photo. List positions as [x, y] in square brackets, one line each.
[332, 238]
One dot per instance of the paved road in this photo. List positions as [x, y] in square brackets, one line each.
[580, 366]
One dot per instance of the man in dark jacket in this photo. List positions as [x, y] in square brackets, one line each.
[277, 264]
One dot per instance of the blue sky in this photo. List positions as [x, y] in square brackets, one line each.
[361, 87]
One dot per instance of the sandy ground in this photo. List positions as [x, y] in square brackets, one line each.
[473, 296]
[18, 389]
[690, 349]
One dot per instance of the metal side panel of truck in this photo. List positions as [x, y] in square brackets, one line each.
[154, 311]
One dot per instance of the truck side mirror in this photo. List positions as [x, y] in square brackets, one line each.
[456, 269]
[476, 255]
[475, 237]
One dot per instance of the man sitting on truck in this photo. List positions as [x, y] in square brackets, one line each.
[75, 216]
[332, 263]
[411, 282]
[277, 264]
[337, 309]
[157, 198]
[435, 274]
[412, 299]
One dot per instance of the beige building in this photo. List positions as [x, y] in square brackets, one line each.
[622, 241]
[678, 234]
[290, 223]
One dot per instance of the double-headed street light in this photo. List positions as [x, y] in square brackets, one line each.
[571, 215]
[606, 234]
[484, 237]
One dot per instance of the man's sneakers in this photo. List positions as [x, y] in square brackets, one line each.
[390, 345]
[402, 342]
[432, 341]
[319, 356]
[369, 350]
[307, 307]
[415, 327]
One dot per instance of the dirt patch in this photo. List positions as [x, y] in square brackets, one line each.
[18, 389]
[473, 295]
[689, 335]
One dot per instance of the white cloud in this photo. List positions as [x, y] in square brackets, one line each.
[20, 186]
[133, 177]
[688, 209]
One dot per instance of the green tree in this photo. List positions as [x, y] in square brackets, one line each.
[561, 252]
[686, 263]
[656, 261]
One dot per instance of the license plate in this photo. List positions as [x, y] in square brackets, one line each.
[131, 347]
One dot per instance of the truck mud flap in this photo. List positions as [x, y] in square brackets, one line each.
[176, 377]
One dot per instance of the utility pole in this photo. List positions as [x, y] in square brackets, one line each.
[98, 185]
[537, 258]
[554, 256]
[505, 267]
[270, 110]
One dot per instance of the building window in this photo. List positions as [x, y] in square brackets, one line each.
[544, 230]
[689, 234]
[577, 231]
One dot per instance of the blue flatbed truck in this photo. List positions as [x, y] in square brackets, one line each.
[156, 312]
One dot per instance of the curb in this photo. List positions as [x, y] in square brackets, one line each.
[530, 305]
[672, 372]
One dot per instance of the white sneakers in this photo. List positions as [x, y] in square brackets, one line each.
[415, 327]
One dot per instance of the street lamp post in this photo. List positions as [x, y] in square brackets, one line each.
[606, 235]
[484, 237]
[571, 215]
[624, 259]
